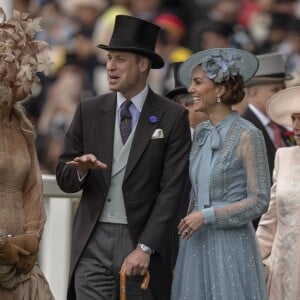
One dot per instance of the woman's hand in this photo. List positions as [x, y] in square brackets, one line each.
[190, 224]
[26, 263]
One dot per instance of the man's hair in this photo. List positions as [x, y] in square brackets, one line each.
[183, 99]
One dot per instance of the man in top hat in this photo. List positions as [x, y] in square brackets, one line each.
[128, 152]
[269, 79]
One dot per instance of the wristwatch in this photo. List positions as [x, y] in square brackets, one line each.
[146, 249]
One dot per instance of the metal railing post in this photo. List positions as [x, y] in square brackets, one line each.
[55, 247]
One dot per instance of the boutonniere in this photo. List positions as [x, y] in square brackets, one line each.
[289, 138]
[153, 119]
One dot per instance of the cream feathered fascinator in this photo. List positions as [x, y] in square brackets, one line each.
[21, 56]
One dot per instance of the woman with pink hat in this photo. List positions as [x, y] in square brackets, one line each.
[278, 229]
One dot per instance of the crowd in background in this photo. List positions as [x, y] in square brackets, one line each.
[74, 28]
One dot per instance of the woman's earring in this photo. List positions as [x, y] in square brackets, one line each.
[219, 100]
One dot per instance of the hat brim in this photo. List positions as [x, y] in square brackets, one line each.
[281, 105]
[268, 80]
[247, 70]
[176, 91]
[156, 61]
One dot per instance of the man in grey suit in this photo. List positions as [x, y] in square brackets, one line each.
[269, 79]
[128, 151]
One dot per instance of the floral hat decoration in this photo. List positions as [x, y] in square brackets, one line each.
[21, 56]
[219, 64]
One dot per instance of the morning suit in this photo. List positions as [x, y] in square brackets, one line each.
[154, 179]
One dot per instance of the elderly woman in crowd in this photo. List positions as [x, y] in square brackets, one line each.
[218, 255]
[278, 230]
[22, 215]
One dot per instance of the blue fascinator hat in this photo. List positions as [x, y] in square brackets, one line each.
[219, 64]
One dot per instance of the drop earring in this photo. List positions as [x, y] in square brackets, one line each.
[219, 100]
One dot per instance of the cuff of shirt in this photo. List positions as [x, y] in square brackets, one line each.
[209, 215]
[81, 178]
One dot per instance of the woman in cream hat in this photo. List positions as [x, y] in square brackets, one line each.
[278, 229]
[218, 255]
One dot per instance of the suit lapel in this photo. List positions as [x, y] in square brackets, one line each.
[249, 115]
[122, 158]
[104, 138]
[144, 130]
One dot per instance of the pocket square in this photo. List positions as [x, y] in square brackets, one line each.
[158, 134]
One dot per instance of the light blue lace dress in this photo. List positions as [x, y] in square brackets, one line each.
[230, 178]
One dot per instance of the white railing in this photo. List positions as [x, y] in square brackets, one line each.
[55, 247]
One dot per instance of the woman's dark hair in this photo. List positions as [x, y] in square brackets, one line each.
[234, 90]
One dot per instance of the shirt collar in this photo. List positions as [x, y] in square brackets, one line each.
[138, 100]
[265, 120]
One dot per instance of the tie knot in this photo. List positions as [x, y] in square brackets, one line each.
[127, 103]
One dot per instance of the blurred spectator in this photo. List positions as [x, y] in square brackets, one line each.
[86, 14]
[275, 32]
[60, 102]
[291, 47]
[58, 29]
[220, 29]
[62, 99]
[146, 10]
[210, 33]
[169, 47]
[268, 24]
[268, 80]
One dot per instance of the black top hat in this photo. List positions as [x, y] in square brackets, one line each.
[179, 89]
[135, 35]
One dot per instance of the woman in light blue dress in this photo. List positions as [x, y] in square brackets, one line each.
[219, 257]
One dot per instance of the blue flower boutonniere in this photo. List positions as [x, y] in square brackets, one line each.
[153, 119]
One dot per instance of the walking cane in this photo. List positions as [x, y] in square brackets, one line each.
[144, 284]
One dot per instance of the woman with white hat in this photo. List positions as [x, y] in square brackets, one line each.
[278, 229]
[218, 256]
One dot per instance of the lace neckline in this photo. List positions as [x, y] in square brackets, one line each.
[226, 121]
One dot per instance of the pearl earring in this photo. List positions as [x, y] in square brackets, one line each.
[219, 100]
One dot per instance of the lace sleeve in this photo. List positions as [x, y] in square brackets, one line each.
[35, 216]
[192, 201]
[251, 150]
